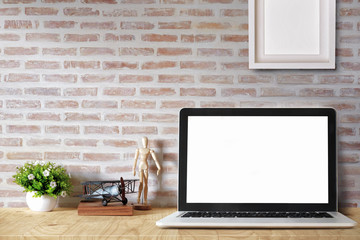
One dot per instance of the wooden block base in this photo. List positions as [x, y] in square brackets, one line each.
[95, 208]
[142, 207]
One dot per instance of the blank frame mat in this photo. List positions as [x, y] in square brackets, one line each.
[276, 159]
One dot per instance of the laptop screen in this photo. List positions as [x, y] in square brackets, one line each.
[256, 157]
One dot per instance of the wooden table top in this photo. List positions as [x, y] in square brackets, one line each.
[64, 223]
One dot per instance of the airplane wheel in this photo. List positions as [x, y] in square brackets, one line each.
[104, 202]
[124, 201]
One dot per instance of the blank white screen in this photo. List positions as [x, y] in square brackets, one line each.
[249, 159]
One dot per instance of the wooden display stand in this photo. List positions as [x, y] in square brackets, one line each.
[95, 208]
[142, 207]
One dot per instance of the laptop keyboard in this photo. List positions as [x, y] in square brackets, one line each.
[256, 215]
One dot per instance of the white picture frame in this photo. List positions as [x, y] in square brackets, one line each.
[292, 34]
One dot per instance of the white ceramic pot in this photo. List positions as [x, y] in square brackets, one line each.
[44, 203]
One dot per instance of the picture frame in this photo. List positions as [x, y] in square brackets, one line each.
[292, 34]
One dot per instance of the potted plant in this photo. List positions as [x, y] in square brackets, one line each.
[43, 182]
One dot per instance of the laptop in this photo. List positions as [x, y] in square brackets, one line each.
[257, 168]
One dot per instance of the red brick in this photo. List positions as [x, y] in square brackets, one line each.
[22, 77]
[349, 12]
[234, 38]
[139, 130]
[213, 25]
[344, 131]
[63, 78]
[116, 169]
[11, 142]
[136, 51]
[101, 157]
[216, 1]
[350, 92]
[295, 79]
[82, 117]
[177, 104]
[98, 25]
[176, 78]
[43, 37]
[174, 51]
[175, 25]
[101, 130]
[120, 13]
[344, 52]
[23, 104]
[218, 79]
[9, 64]
[62, 156]
[350, 118]
[138, 104]
[100, 1]
[137, 25]
[159, 12]
[57, 1]
[81, 142]
[233, 12]
[204, 92]
[43, 91]
[43, 142]
[349, 158]
[20, 24]
[177, 1]
[352, 66]
[81, 37]
[41, 11]
[158, 65]
[10, 11]
[217, 104]
[151, 117]
[23, 129]
[169, 130]
[350, 145]
[344, 26]
[82, 64]
[42, 65]
[21, 51]
[198, 38]
[352, 39]
[8, 168]
[9, 37]
[43, 116]
[81, 12]
[89, 51]
[12, 193]
[135, 78]
[99, 104]
[10, 91]
[255, 79]
[158, 38]
[316, 92]
[229, 92]
[138, 1]
[119, 65]
[59, 51]
[90, 78]
[120, 143]
[341, 106]
[24, 156]
[121, 37]
[59, 24]
[80, 91]
[119, 91]
[122, 117]
[217, 52]
[197, 12]
[62, 129]
[336, 79]
[276, 92]
[82, 169]
[243, 52]
[200, 65]
[235, 65]
[163, 143]
[157, 91]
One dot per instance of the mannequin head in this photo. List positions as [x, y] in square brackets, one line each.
[145, 142]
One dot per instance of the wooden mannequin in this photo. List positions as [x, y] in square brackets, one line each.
[144, 153]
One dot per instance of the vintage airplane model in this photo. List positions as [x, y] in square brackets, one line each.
[108, 191]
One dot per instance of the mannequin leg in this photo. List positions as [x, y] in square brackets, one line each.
[140, 185]
[145, 186]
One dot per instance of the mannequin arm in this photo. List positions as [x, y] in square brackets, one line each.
[153, 155]
[135, 161]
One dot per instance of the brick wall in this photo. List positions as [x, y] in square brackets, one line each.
[83, 80]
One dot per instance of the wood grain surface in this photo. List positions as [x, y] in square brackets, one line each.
[64, 223]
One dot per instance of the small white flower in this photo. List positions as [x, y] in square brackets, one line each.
[63, 194]
[46, 173]
[53, 184]
[42, 163]
[31, 177]
[37, 162]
